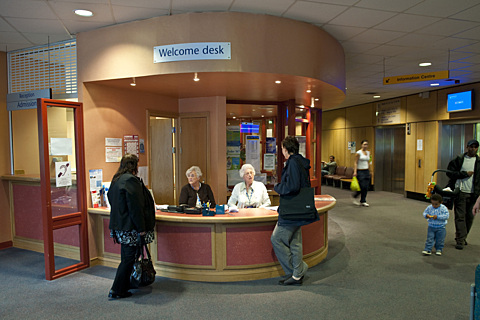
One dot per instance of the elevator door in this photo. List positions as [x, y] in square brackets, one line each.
[390, 159]
[452, 142]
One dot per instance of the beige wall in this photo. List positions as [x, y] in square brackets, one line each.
[216, 107]
[5, 224]
[114, 113]
[261, 43]
[424, 113]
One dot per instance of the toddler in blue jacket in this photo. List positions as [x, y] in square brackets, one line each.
[437, 215]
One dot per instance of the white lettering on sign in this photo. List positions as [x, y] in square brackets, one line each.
[192, 51]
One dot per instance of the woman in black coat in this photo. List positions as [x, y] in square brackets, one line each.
[132, 213]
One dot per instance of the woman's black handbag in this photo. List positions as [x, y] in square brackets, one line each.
[143, 273]
[300, 206]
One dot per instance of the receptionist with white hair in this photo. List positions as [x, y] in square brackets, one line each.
[195, 193]
[250, 193]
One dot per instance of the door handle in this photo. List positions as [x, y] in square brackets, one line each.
[419, 163]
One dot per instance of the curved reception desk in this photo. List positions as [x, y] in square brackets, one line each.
[221, 248]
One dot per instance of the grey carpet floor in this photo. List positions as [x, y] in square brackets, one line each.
[374, 270]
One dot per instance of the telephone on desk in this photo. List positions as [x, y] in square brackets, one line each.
[183, 208]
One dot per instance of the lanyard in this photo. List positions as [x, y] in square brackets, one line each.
[249, 197]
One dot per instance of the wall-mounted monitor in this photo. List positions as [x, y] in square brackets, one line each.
[460, 101]
[246, 127]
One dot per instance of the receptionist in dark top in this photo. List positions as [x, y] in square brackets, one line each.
[195, 193]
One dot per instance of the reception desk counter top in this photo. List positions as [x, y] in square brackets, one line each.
[227, 247]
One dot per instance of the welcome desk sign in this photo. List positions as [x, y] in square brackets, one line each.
[192, 51]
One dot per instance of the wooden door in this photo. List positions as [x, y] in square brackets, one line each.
[64, 205]
[194, 146]
[162, 181]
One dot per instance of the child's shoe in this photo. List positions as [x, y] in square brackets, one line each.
[426, 253]
[438, 253]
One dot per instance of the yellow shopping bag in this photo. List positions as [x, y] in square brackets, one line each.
[354, 186]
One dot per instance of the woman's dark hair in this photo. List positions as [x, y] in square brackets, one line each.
[363, 141]
[291, 144]
[129, 163]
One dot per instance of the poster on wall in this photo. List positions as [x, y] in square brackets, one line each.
[388, 112]
[96, 177]
[131, 144]
[61, 146]
[63, 174]
[269, 161]
[113, 154]
[271, 145]
[252, 152]
[302, 140]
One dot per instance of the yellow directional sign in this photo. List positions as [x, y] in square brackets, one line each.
[416, 77]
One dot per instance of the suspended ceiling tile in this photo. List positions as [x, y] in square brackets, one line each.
[75, 26]
[358, 47]
[377, 36]
[406, 23]
[125, 14]
[363, 18]
[395, 6]
[449, 27]
[313, 12]
[154, 4]
[101, 12]
[201, 5]
[415, 40]
[274, 7]
[342, 33]
[5, 27]
[441, 8]
[26, 9]
[39, 25]
[472, 14]
[41, 38]
[473, 33]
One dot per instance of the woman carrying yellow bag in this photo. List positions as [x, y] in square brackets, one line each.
[355, 186]
[361, 171]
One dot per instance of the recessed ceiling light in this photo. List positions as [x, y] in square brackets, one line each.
[278, 81]
[83, 12]
[308, 91]
[316, 99]
[425, 64]
[434, 84]
[376, 97]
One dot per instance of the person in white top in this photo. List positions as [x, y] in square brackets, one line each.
[362, 172]
[250, 193]
[464, 174]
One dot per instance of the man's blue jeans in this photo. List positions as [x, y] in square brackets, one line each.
[435, 236]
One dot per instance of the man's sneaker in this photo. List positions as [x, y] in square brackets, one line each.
[364, 204]
[426, 253]
[355, 202]
[459, 246]
[438, 253]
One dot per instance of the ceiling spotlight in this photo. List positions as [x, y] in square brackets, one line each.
[196, 77]
[425, 64]
[83, 13]
[278, 81]
[316, 99]
[133, 84]
[376, 97]
[308, 91]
